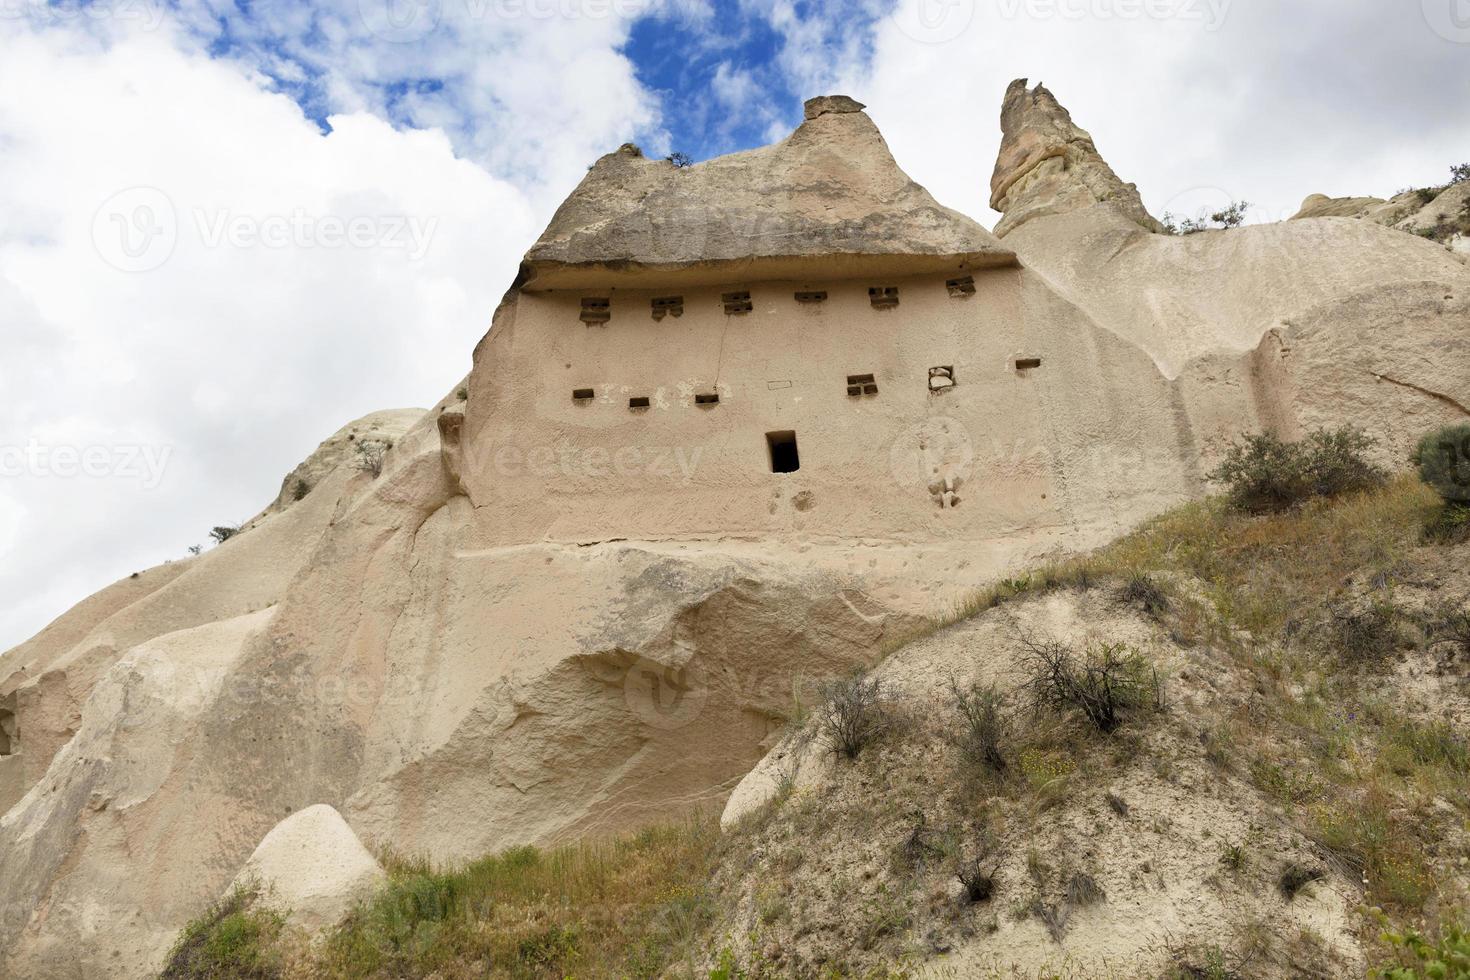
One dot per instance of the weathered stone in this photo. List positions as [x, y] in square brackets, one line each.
[1049, 165]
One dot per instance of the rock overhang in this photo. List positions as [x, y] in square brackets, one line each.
[828, 202]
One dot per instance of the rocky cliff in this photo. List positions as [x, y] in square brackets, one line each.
[506, 638]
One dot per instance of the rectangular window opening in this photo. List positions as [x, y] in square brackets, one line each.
[1027, 363]
[582, 394]
[963, 286]
[707, 398]
[812, 296]
[736, 302]
[861, 384]
[596, 309]
[782, 446]
[667, 306]
[883, 297]
[637, 402]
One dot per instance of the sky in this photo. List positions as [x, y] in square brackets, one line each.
[228, 227]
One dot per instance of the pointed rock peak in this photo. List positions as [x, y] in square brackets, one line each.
[1049, 165]
[823, 104]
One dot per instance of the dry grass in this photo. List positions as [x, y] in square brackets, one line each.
[622, 908]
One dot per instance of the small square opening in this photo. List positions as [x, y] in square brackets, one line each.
[667, 306]
[707, 398]
[883, 297]
[963, 286]
[737, 302]
[637, 402]
[811, 296]
[582, 394]
[1027, 363]
[596, 309]
[861, 384]
[782, 446]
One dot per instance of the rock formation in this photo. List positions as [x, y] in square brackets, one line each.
[1440, 214]
[1049, 165]
[312, 867]
[708, 455]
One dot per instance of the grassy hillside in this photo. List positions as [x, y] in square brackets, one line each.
[1287, 753]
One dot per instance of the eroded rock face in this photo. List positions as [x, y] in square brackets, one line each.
[1049, 165]
[518, 633]
[313, 866]
[829, 192]
[341, 448]
[1443, 218]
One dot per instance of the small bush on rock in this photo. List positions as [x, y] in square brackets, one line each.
[371, 454]
[1106, 682]
[982, 726]
[1443, 459]
[224, 533]
[853, 715]
[1264, 475]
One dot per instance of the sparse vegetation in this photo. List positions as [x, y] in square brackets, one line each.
[300, 490]
[371, 454]
[1368, 795]
[982, 729]
[1420, 958]
[1144, 591]
[1365, 636]
[1459, 173]
[1264, 475]
[680, 159]
[853, 714]
[224, 532]
[1105, 683]
[1295, 877]
[233, 939]
[1231, 216]
[624, 907]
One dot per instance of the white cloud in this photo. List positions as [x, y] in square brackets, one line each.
[229, 357]
[1266, 102]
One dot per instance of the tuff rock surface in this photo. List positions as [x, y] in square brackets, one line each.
[506, 638]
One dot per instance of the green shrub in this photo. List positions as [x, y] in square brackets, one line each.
[1264, 475]
[231, 940]
[224, 532]
[1443, 459]
[982, 728]
[1421, 959]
